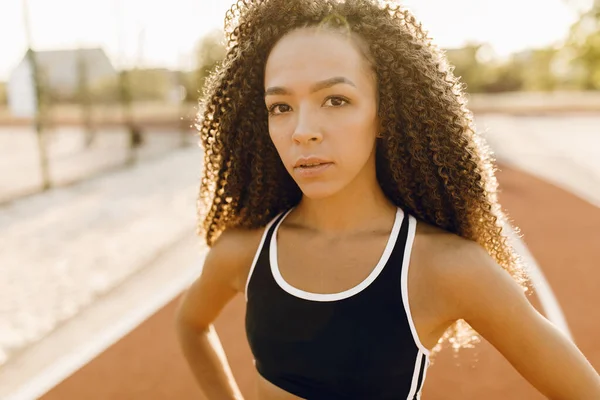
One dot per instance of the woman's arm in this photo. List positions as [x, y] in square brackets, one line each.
[208, 363]
[485, 296]
[221, 279]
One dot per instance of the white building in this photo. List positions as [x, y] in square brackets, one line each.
[60, 70]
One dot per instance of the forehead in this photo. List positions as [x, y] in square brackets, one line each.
[307, 55]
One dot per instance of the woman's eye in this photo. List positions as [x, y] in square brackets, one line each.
[278, 109]
[335, 101]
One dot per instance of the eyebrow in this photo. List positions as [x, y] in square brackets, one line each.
[327, 83]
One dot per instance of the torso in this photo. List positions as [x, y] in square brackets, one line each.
[334, 265]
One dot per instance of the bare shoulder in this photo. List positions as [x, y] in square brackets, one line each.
[223, 276]
[434, 247]
[234, 252]
[442, 262]
[460, 270]
[446, 246]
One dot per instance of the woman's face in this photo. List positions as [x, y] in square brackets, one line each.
[321, 97]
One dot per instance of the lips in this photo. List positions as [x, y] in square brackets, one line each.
[311, 167]
[308, 162]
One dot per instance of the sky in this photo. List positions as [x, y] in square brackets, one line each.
[164, 33]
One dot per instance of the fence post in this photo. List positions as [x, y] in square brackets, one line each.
[39, 103]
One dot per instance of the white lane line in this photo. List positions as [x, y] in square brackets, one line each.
[73, 361]
[77, 357]
[547, 298]
[516, 151]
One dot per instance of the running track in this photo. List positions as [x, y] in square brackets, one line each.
[561, 231]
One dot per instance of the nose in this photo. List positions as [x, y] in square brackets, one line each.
[306, 130]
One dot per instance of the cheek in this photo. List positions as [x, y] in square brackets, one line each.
[361, 150]
[280, 140]
[357, 137]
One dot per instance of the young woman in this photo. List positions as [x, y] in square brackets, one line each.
[347, 195]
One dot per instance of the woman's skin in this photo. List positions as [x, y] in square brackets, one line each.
[321, 94]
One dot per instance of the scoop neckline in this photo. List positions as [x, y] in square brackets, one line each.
[324, 297]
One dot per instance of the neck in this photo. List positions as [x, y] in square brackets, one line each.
[358, 207]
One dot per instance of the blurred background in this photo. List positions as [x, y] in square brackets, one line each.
[100, 169]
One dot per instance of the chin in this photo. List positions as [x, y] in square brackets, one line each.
[318, 190]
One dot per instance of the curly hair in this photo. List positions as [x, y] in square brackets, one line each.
[429, 159]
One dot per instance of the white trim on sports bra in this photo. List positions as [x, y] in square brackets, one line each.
[412, 228]
[346, 293]
[257, 254]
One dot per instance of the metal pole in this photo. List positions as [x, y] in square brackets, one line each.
[125, 95]
[84, 96]
[39, 104]
[183, 117]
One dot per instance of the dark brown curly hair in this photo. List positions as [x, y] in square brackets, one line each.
[430, 161]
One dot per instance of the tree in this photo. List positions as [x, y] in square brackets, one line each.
[210, 52]
[538, 71]
[477, 68]
[3, 97]
[467, 66]
[151, 84]
[504, 77]
[584, 43]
